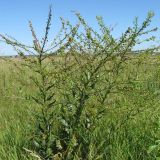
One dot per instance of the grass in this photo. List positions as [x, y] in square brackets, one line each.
[128, 129]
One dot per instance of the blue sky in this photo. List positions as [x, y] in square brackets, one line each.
[14, 15]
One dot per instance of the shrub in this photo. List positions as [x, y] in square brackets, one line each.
[74, 80]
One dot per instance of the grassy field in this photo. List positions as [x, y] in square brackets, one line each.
[128, 130]
[86, 96]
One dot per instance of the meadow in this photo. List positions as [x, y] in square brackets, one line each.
[94, 99]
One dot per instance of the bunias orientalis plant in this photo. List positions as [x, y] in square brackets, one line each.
[97, 76]
[72, 87]
[38, 60]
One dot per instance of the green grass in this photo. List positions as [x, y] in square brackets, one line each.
[129, 127]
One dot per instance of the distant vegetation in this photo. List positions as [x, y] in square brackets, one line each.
[86, 96]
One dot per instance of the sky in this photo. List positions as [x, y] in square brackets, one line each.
[15, 14]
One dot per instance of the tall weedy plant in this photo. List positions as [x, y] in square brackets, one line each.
[100, 63]
[73, 79]
[36, 59]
